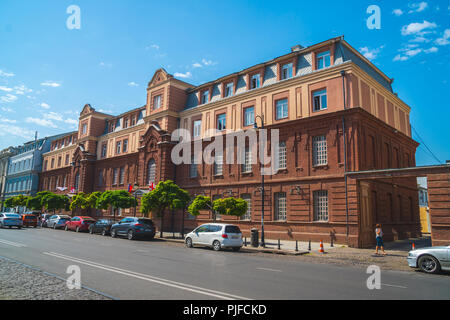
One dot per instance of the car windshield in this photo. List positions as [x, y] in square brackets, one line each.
[12, 216]
[232, 229]
[146, 221]
[30, 217]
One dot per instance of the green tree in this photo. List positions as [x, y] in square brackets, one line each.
[34, 203]
[166, 195]
[16, 201]
[200, 203]
[230, 206]
[92, 199]
[79, 201]
[115, 199]
[53, 202]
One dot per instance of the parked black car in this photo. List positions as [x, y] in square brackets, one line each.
[134, 228]
[102, 226]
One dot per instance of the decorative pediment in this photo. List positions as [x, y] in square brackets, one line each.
[87, 110]
[160, 75]
[151, 137]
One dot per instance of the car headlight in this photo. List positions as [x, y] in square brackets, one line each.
[411, 254]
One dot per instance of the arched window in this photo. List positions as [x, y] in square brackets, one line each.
[151, 172]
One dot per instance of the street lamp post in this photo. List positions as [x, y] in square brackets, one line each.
[262, 181]
[135, 198]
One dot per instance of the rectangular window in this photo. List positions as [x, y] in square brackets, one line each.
[122, 175]
[115, 176]
[104, 148]
[280, 206]
[125, 123]
[282, 155]
[67, 159]
[218, 216]
[229, 89]
[193, 168]
[118, 147]
[197, 128]
[157, 102]
[249, 116]
[133, 120]
[125, 145]
[221, 122]
[247, 165]
[319, 151]
[59, 161]
[248, 215]
[53, 163]
[323, 60]
[255, 81]
[281, 109]
[286, 71]
[321, 205]
[100, 178]
[320, 100]
[205, 96]
[218, 165]
[84, 128]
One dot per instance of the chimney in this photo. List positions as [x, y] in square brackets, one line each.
[296, 48]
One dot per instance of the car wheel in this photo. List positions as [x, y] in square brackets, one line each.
[113, 233]
[130, 235]
[429, 264]
[10, 227]
[19, 227]
[236, 249]
[104, 232]
[189, 243]
[216, 245]
[77, 229]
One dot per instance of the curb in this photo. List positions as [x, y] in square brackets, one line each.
[248, 249]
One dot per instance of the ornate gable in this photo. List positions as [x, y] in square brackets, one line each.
[87, 110]
[160, 75]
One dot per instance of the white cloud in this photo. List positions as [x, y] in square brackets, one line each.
[417, 7]
[7, 109]
[445, 38]
[183, 75]
[6, 74]
[371, 54]
[133, 84]
[197, 65]
[105, 65]
[420, 39]
[53, 116]
[418, 28]
[45, 105]
[152, 46]
[208, 62]
[71, 121]
[8, 120]
[41, 122]
[6, 89]
[6, 130]
[397, 12]
[407, 53]
[431, 50]
[22, 90]
[50, 84]
[8, 98]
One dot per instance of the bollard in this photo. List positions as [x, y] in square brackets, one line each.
[309, 245]
[296, 245]
[413, 246]
[245, 241]
[321, 250]
[279, 245]
[331, 245]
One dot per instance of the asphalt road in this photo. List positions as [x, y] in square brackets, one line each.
[152, 270]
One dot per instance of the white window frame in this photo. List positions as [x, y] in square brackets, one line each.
[280, 213]
[157, 102]
[282, 155]
[283, 104]
[321, 57]
[193, 169]
[248, 198]
[205, 96]
[320, 156]
[249, 117]
[255, 81]
[221, 122]
[247, 165]
[197, 128]
[229, 89]
[320, 98]
[218, 165]
[286, 71]
[321, 205]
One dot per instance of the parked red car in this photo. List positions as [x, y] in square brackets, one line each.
[79, 223]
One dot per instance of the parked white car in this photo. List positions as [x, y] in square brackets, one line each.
[430, 260]
[215, 235]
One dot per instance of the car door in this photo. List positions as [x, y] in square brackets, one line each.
[197, 234]
[446, 264]
[123, 225]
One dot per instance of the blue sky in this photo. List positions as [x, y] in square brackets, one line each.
[48, 72]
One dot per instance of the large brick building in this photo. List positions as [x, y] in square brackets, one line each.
[335, 111]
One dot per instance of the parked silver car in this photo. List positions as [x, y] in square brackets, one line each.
[215, 235]
[430, 260]
[10, 220]
[57, 221]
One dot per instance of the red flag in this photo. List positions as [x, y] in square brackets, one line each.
[130, 188]
[152, 186]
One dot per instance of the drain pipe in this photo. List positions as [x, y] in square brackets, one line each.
[345, 156]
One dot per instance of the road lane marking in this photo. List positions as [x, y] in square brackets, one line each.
[14, 244]
[393, 285]
[169, 283]
[267, 269]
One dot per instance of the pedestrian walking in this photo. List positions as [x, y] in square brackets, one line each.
[379, 237]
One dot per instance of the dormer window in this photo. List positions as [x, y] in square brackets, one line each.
[255, 81]
[157, 102]
[229, 89]
[84, 128]
[133, 120]
[125, 123]
[323, 60]
[286, 71]
[205, 96]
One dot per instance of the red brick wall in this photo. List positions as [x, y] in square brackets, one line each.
[439, 199]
